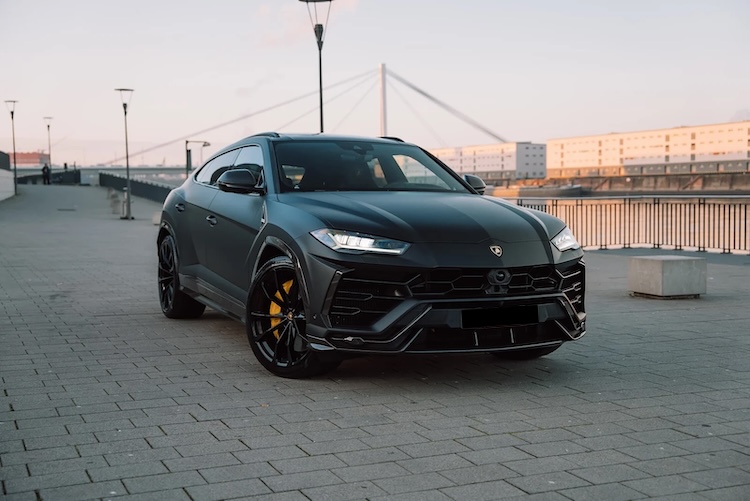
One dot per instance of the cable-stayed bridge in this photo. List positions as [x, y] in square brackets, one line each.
[385, 80]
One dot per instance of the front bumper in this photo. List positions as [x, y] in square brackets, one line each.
[451, 311]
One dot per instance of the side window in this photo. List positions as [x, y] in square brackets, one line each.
[251, 158]
[216, 167]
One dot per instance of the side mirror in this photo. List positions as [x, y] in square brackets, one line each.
[238, 181]
[476, 183]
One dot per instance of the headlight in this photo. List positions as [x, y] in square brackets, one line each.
[350, 241]
[565, 240]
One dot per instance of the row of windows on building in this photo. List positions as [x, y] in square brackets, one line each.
[665, 137]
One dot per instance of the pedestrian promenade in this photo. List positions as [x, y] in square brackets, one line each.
[105, 398]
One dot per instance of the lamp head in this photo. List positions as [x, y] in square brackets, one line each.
[125, 95]
[11, 105]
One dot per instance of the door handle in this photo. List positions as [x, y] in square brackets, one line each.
[212, 220]
[180, 207]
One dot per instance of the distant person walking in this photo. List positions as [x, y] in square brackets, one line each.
[45, 174]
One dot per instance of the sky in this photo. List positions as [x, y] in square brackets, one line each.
[527, 70]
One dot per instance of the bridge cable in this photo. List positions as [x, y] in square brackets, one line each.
[447, 107]
[356, 105]
[419, 117]
[240, 118]
[316, 108]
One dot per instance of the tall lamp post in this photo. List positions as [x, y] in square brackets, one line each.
[48, 121]
[125, 95]
[318, 28]
[11, 104]
[189, 157]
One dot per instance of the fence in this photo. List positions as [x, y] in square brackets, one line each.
[145, 189]
[702, 224]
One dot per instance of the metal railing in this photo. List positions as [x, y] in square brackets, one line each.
[146, 189]
[691, 223]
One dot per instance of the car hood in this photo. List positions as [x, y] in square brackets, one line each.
[422, 217]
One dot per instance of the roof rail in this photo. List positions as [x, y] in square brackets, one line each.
[267, 134]
[392, 138]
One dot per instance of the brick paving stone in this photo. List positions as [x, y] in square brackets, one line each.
[484, 491]
[38, 482]
[359, 490]
[611, 473]
[298, 481]
[415, 496]
[164, 495]
[96, 490]
[269, 454]
[499, 455]
[610, 492]
[668, 466]
[372, 456]
[237, 472]
[333, 446]
[278, 496]
[434, 463]
[125, 471]
[228, 490]
[65, 465]
[552, 448]
[717, 479]
[154, 483]
[477, 474]
[546, 482]
[665, 486]
[203, 461]
[433, 448]
[370, 472]
[310, 463]
[413, 483]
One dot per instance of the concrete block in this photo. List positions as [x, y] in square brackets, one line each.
[667, 276]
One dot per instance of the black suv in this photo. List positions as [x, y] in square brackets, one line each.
[331, 246]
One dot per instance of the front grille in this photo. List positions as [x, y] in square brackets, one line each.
[573, 283]
[363, 296]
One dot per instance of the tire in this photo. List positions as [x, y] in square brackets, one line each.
[174, 303]
[276, 323]
[528, 354]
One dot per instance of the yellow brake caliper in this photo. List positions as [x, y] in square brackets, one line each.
[275, 309]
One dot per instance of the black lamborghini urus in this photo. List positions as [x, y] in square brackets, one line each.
[332, 246]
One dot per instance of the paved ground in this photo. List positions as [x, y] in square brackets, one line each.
[103, 397]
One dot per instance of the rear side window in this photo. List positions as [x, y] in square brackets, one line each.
[216, 167]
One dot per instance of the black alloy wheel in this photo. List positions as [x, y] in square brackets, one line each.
[276, 323]
[174, 303]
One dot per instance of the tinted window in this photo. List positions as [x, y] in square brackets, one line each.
[359, 166]
[251, 158]
[216, 167]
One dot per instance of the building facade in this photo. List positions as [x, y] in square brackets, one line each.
[680, 150]
[28, 159]
[497, 161]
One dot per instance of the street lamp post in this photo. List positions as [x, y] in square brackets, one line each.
[48, 121]
[11, 104]
[318, 29]
[125, 95]
[189, 157]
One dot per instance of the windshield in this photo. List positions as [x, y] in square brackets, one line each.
[359, 166]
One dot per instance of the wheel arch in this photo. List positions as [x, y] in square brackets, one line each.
[276, 247]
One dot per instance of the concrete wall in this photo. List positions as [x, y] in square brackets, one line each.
[6, 184]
